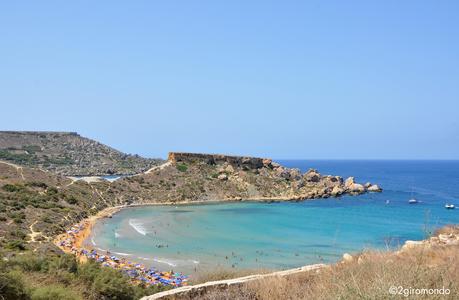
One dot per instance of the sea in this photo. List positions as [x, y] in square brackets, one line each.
[276, 236]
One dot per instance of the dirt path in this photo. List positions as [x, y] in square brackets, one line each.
[19, 169]
[160, 167]
[34, 234]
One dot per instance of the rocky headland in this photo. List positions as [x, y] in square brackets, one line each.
[188, 177]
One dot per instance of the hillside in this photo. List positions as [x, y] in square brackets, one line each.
[68, 153]
[35, 206]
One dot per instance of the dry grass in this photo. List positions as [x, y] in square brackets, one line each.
[369, 277]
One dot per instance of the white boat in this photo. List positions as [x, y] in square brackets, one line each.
[450, 206]
[412, 200]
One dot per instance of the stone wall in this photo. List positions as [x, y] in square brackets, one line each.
[217, 159]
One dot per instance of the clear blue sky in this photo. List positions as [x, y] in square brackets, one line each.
[283, 79]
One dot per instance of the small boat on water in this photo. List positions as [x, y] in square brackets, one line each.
[412, 200]
[450, 206]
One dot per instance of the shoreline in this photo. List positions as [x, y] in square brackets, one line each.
[87, 225]
[89, 222]
[108, 212]
[84, 228]
[72, 242]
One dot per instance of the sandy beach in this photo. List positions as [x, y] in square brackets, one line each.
[72, 242]
[87, 225]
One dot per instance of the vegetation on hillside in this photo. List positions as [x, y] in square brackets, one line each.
[69, 154]
[35, 206]
[59, 276]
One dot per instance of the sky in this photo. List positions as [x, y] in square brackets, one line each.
[280, 79]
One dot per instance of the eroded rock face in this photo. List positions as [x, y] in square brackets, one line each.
[312, 176]
[267, 162]
[349, 182]
[223, 177]
[295, 174]
[354, 188]
[218, 159]
[337, 191]
[347, 257]
[443, 239]
[374, 188]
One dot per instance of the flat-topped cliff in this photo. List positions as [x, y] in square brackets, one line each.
[246, 162]
[68, 153]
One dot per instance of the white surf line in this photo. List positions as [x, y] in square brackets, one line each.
[189, 291]
[137, 227]
[163, 261]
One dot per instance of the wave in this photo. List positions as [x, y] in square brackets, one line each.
[92, 241]
[137, 226]
[144, 258]
[165, 262]
[121, 253]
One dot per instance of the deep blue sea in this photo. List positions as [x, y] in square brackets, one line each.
[290, 234]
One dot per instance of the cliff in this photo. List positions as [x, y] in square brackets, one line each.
[68, 153]
[214, 159]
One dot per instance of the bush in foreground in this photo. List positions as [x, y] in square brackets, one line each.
[53, 292]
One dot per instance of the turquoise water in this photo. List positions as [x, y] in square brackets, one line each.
[286, 235]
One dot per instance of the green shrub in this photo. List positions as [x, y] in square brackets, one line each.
[12, 286]
[51, 191]
[31, 148]
[182, 167]
[17, 220]
[143, 290]
[65, 262]
[15, 245]
[37, 184]
[46, 219]
[71, 200]
[53, 292]
[111, 284]
[12, 187]
[19, 234]
[88, 271]
[31, 263]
